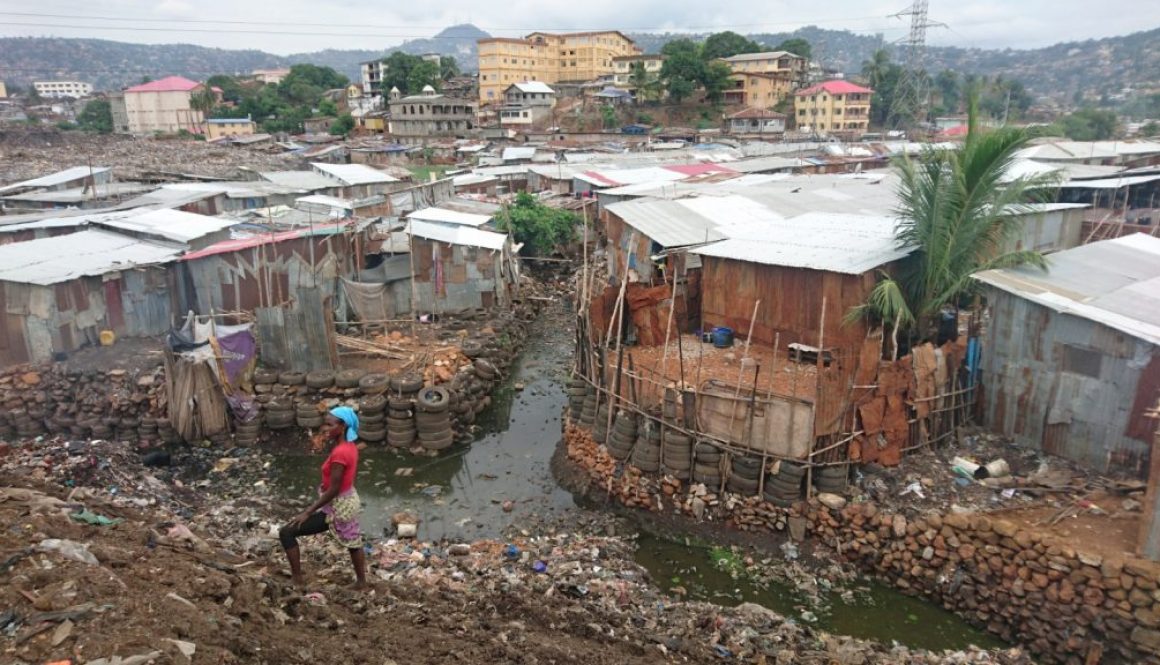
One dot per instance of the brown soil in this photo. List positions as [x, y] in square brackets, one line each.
[1101, 526]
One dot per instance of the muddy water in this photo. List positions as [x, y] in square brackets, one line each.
[872, 611]
[460, 496]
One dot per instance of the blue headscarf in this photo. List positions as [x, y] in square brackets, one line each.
[348, 416]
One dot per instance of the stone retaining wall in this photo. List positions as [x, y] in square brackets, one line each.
[1066, 606]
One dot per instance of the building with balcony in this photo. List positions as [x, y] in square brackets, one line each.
[527, 104]
[417, 118]
[776, 63]
[622, 67]
[62, 89]
[549, 58]
[371, 73]
[833, 107]
[758, 90]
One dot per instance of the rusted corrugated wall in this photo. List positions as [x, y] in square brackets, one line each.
[791, 302]
[1063, 383]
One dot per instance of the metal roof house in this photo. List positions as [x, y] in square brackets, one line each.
[1073, 353]
[58, 293]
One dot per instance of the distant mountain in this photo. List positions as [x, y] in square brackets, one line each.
[1102, 68]
[110, 65]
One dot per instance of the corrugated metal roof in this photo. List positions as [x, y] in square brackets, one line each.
[850, 244]
[1112, 183]
[1114, 282]
[457, 235]
[326, 201]
[174, 225]
[265, 239]
[48, 261]
[533, 86]
[513, 153]
[354, 174]
[618, 177]
[761, 164]
[668, 223]
[308, 180]
[471, 179]
[244, 189]
[58, 178]
[453, 217]
[81, 194]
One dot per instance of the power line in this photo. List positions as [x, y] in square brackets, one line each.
[805, 22]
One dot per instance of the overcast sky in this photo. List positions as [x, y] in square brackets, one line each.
[289, 26]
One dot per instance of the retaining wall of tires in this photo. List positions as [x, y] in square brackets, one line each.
[1025, 586]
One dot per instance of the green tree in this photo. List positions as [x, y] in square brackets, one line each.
[875, 69]
[342, 125]
[448, 67]
[96, 116]
[204, 100]
[232, 90]
[607, 116]
[796, 46]
[948, 87]
[683, 68]
[538, 226]
[423, 74]
[641, 80]
[327, 107]
[955, 217]
[715, 79]
[726, 44]
[1150, 128]
[1089, 125]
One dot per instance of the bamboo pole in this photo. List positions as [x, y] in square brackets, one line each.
[616, 320]
[741, 368]
[414, 286]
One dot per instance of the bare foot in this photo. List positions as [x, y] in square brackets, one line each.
[360, 586]
[299, 582]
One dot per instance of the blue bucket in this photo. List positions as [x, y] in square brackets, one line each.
[722, 338]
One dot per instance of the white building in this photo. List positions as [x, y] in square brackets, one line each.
[62, 89]
[372, 77]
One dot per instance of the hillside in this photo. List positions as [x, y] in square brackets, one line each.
[1098, 68]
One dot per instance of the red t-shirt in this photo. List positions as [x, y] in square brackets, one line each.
[346, 454]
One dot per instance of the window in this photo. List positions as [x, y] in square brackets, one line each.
[801, 112]
[1078, 360]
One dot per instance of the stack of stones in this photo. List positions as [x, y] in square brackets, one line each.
[433, 418]
[646, 454]
[677, 454]
[623, 435]
[743, 478]
[707, 464]
[784, 487]
[577, 392]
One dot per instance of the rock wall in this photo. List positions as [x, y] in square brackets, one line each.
[1066, 606]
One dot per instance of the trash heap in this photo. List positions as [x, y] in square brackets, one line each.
[56, 399]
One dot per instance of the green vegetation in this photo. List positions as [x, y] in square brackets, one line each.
[1151, 128]
[796, 46]
[726, 559]
[1000, 99]
[955, 214]
[96, 117]
[280, 107]
[342, 125]
[410, 73]
[1088, 125]
[646, 85]
[690, 65]
[727, 44]
[608, 116]
[538, 226]
[423, 173]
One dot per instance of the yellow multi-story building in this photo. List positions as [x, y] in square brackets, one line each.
[833, 107]
[549, 58]
[757, 90]
[780, 63]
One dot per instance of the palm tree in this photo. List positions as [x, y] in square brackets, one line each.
[874, 69]
[959, 215]
[204, 100]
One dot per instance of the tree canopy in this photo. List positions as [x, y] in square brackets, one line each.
[538, 226]
[282, 107]
[410, 73]
[96, 116]
[955, 217]
[1089, 125]
[726, 44]
[796, 46]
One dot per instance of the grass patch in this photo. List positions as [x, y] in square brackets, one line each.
[423, 173]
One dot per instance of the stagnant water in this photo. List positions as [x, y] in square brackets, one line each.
[460, 496]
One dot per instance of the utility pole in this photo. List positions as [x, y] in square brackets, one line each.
[912, 94]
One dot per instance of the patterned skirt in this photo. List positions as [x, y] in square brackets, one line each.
[342, 516]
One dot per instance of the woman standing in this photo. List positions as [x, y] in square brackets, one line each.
[337, 507]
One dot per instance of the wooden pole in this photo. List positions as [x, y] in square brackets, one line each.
[741, 369]
[414, 286]
[617, 315]
[820, 363]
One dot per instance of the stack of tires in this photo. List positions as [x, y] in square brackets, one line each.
[167, 433]
[831, 479]
[669, 406]
[147, 432]
[745, 474]
[433, 418]
[308, 414]
[372, 418]
[347, 380]
[646, 455]
[588, 410]
[400, 421]
[319, 379]
[127, 429]
[623, 434]
[785, 487]
[707, 464]
[246, 433]
[577, 390]
[280, 412]
[100, 429]
[677, 455]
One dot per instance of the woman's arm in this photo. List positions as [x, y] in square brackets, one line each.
[336, 469]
